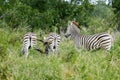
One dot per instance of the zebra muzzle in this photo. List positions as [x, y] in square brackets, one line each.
[67, 35]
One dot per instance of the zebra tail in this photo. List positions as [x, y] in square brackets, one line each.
[40, 40]
[39, 50]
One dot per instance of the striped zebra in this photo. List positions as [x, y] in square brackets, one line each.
[29, 41]
[89, 42]
[51, 43]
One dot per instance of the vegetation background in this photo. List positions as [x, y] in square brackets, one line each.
[18, 17]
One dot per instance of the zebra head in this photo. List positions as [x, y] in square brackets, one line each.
[47, 41]
[68, 32]
[72, 29]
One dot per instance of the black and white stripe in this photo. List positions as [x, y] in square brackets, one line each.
[29, 41]
[90, 42]
[51, 43]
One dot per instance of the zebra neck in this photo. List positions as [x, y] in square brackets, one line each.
[73, 36]
[78, 41]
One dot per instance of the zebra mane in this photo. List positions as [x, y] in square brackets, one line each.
[74, 26]
[76, 23]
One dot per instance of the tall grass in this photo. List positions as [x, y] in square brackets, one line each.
[70, 64]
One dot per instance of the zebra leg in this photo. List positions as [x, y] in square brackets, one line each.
[38, 49]
[51, 49]
[76, 47]
[46, 50]
[56, 50]
[25, 52]
[26, 55]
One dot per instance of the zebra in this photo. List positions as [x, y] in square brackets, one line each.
[51, 43]
[29, 41]
[89, 42]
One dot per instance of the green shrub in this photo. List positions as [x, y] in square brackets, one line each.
[102, 20]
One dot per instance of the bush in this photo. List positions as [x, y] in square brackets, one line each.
[21, 14]
[102, 20]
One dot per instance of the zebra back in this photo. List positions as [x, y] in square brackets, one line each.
[29, 40]
[52, 42]
[97, 41]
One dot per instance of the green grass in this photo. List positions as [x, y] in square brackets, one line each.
[70, 64]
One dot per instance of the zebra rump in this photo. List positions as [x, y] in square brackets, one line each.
[89, 42]
[29, 41]
[51, 43]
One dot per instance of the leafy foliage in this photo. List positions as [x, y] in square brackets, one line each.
[43, 16]
[115, 4]
[51, 14]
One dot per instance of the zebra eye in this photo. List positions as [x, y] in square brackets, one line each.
[44, 38]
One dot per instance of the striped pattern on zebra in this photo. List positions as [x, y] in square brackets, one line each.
[89, 42]
[51, 43]
[29, 41]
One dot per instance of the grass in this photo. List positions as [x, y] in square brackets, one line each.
[70, 64]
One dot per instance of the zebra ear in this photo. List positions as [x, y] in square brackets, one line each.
[69, 22]
[44, 38]
[76, 23]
